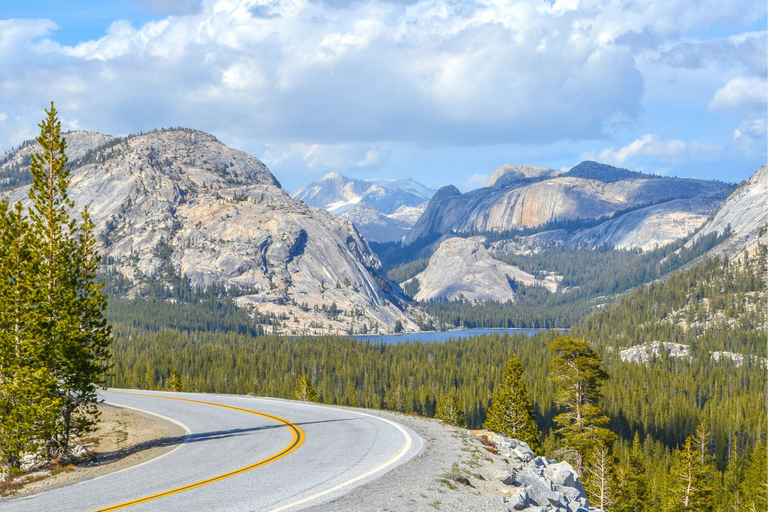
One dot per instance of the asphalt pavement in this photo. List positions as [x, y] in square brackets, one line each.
[240, 454]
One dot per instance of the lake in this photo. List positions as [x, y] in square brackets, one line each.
[430, 337]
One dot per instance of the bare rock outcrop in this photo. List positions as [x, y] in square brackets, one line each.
[218, 215]
[462, 268]
[591, 192]
[746, 213]
[645, 228]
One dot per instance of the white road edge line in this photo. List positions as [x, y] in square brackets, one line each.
[166, 418]
[396, 457]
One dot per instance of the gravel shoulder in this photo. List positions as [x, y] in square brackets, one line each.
[454, 472]
[123, 438]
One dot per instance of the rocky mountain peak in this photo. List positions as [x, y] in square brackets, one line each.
[179, 200]
[603, 172]
[508, 174]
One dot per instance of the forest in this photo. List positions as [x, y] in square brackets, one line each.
[654, 409]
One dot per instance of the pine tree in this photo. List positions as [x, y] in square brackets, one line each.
[733, 477]
[599, 473]
[76, 336]
[576, 367]
[691, 476]
[28, 402]
[511, 411]
[174, 381]
[631, 483]
[449, 410]
[755, 483]
[305, 391]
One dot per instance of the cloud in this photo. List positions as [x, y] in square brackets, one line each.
[353, 78]
[741, 96]
[650, 146]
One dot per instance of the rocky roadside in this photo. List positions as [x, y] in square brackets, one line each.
[124, 438]
[461, 470]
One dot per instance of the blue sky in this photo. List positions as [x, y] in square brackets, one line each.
[442, 91]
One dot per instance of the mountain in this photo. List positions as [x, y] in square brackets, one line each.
[337, 193]
[379, 227]
[509, 174]
[538, 199]
[181, 201]
[462, 268]
[644, 228]
[746, 213]
[382, 210]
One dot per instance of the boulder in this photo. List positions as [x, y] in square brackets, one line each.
[561, 473]
[506, 477]
[519, 501]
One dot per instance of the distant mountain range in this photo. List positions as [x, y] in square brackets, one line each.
[590, 195]
[382, 210]
[181, 200]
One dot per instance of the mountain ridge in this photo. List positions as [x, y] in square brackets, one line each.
[181, 198]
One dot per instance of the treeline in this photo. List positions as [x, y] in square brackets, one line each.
[654, 410]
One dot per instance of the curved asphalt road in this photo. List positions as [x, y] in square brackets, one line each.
[241, 454]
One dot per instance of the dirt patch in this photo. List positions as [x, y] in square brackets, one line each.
[123, 438]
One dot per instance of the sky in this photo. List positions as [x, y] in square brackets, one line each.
[441, 91]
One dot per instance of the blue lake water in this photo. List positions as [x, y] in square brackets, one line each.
[432, 337]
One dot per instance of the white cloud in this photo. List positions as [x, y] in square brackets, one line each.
[741, 96]
[650, 146]
[352, 78]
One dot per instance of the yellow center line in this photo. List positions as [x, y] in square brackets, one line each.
[298, 439]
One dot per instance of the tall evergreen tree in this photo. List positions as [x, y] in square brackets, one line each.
[511, 412]
[755, 483]
[691, 474]
[76, 336]
[631, 483]
[576, 367]
[28, 402]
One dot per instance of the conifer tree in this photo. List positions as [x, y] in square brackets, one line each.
[690, 488]
[28, 403]
[631, 483]
[511, 411]
[174, 381]
[733, 477]
[76, 337]
[576, 367]
[305, 391]
[449, 410]
[599, 481]
[755, 482]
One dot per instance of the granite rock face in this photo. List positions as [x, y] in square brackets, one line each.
[746, 212]
[219, 216]
[379, 227]
[507, 175]
[462, 268]
[592, 192]
[645, 228]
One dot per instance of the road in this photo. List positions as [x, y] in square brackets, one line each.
[240, 454]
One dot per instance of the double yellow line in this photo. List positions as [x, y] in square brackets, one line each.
[298, 438]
